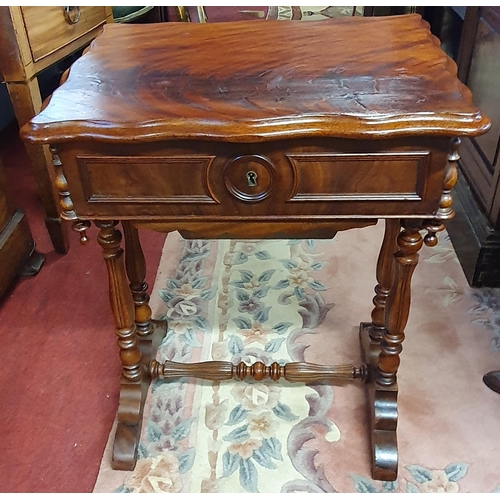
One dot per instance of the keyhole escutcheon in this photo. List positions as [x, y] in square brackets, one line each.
[251, 178]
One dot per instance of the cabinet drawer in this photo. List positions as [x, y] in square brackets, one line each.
[48, 30]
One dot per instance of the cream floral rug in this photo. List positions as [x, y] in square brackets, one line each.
[303, 300]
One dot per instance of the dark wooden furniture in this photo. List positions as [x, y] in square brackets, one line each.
[31, 40]
[17, 248]
[472, 36]
[242, 130]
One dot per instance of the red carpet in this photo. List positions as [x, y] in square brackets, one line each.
[59, 362]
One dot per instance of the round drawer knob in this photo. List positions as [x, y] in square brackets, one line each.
[72, 14]
[249, 178]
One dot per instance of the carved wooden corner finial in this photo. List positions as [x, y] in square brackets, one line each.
[432, 226]
[81, 227]
[68, 212]
[444, 212]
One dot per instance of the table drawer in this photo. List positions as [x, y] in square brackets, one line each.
[282, 179]
[254, 178]
[48, 29]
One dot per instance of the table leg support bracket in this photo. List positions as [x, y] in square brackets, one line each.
[131, 404]
[292, 372]
[383, 412]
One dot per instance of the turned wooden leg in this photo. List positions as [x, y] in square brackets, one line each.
[132, 390]
[135, 351]
[382, 341]
[398, 303]
[371, 335]
[135, 264]
[385, 279]
[121, 301]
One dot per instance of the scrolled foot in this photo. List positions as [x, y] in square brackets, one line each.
[383, 412]
[384, 442]
[131, 405]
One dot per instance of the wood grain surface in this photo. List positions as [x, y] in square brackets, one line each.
[247, 82]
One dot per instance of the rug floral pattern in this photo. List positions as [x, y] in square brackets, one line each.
[274, 301]
[263, 305]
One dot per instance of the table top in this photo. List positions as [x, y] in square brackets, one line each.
[249, 81]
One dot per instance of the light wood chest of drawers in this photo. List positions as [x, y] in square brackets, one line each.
[32, 39]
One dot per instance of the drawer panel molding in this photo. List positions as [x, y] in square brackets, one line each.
[397, 176]
[146, 179]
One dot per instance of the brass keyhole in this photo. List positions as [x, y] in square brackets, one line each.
[251, 178]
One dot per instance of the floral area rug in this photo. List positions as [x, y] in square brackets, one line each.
[303, 300]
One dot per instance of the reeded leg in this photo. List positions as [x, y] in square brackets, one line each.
[134, 381]
[398, 303]
[136, 270]
[121, 301]
[385, 279]
[135, 351]
[382, 341]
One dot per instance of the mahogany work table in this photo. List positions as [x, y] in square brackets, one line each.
[260, 130]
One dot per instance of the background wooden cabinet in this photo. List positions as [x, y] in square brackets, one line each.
[471, 35]
[31, 40]
[16, 242]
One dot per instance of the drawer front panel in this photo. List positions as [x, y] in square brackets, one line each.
[48, 30]
[137, 180]
[277, 180]
[369, 176]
